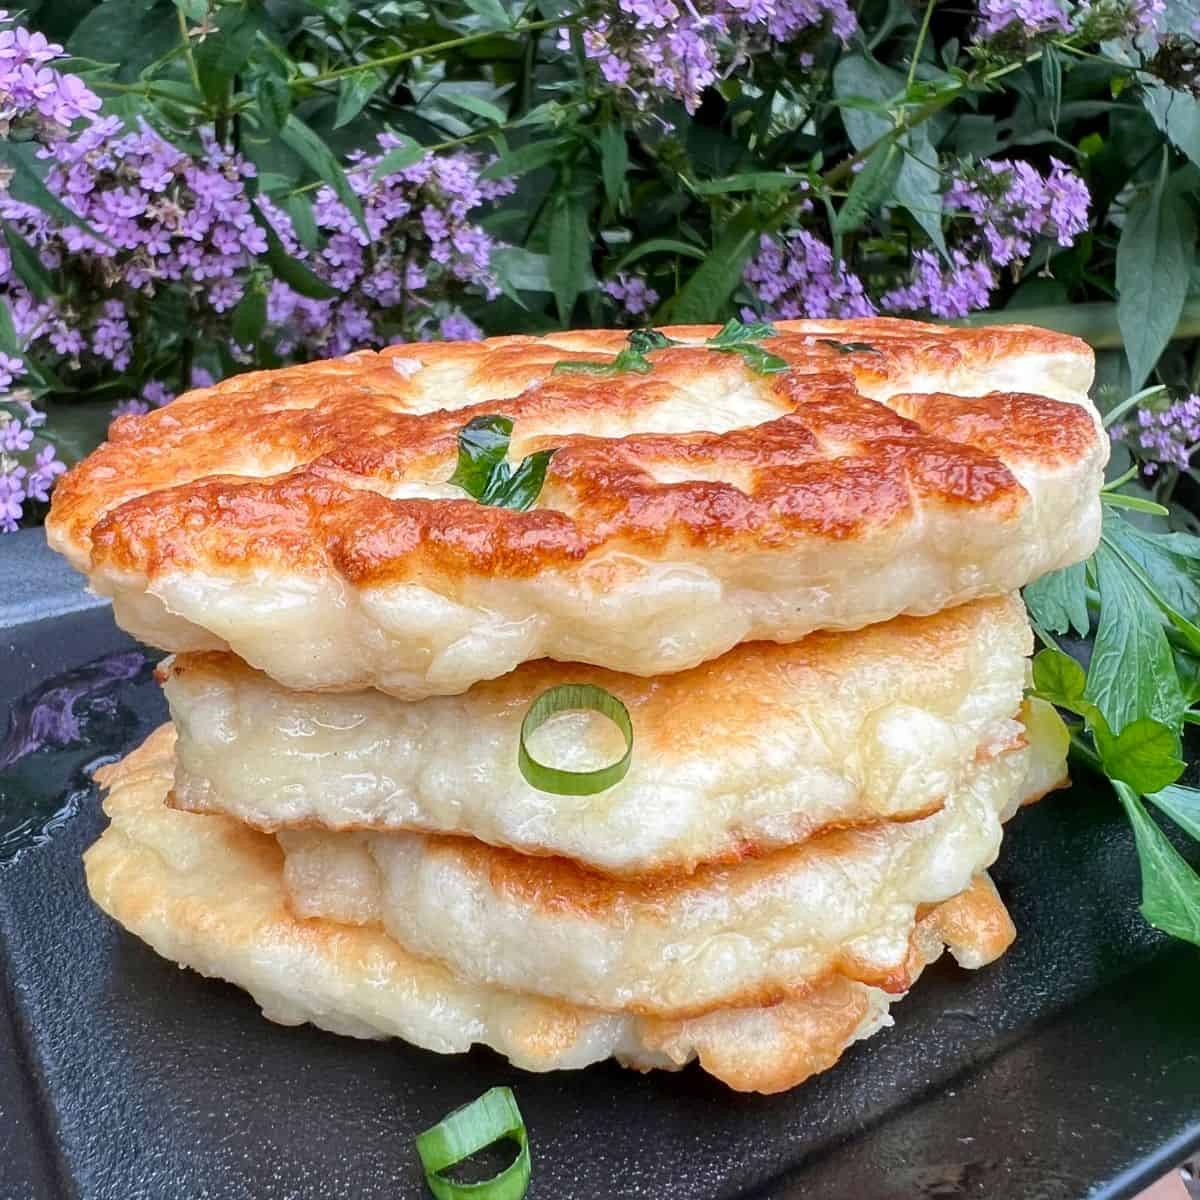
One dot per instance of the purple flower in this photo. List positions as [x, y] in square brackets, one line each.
[156, 393]
[14, 437]
[459, 328]
[10, 368]
[131, 407]
[797, 277]
[46, 468]
[1166, 436]
[633, 295]
[1027, 18]
[12, 493]
[945, 291]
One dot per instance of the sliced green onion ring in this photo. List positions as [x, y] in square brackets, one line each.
[565, 698]
[466, 1131]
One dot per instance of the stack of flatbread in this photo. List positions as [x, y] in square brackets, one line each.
[794, 567]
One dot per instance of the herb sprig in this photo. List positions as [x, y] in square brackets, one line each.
[484, 473]
[734, 337]
[1141, 686]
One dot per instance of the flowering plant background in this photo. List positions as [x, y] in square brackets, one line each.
[191, 188]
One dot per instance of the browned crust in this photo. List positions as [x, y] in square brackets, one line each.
[165, 493]
[809, 1032]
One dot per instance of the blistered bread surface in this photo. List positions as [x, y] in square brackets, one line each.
[303, 518]
[760, 748]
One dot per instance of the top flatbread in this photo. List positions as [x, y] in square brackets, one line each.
[303, 519]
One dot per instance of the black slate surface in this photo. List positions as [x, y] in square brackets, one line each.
[1070, 1068]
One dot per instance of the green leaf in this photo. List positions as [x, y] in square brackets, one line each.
[353, 93]
[1132, 672]
[27, 264]
[707, 292]
[1171, 561]
[522, 269]
[1134, 503]
[483, 473]
[1170, 887]
[493, 13]
[133, 32]
[299, 209]
[9, 342]
[864, 88]
[1052, 84]
[761, 361]
[409, 151]
[476, 105]
[737, 333]
[525, 483]
[291, 270]
[26, 186]
[482, 446]
[918, 186]
[249, 318]
[1153, 259]
[222, 53]
[274, 102]
[645, 340]
[630, 360]
[749, 181]
[321, 159]
[1058, 601]
[1145, 754]
[526, 158]
[569, 244]
[1181, 804]
[614, 164]
[1057, 677]
[1178, 115]
[871, 187]
[658, 246]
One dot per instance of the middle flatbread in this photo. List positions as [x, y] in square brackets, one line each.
[758, 749]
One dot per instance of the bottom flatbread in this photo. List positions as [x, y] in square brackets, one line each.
[208, 893]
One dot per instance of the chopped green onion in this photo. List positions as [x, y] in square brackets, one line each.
[466, 1131]
[567, 697]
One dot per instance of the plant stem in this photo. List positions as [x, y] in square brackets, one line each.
[187, 51]
[1115, 413]
[916, 54]
[424, 51]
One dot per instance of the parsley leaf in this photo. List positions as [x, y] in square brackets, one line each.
[627, 360]
[735, 333]
[484, 473]
[1170, 887]
[756, 358]
[644, 340]
[736, 337]
[1058, 601]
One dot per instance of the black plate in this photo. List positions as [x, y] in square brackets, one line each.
[1070, 1068]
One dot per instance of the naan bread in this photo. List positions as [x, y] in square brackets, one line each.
[208, 893]
[760, 748]
[303, 518]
